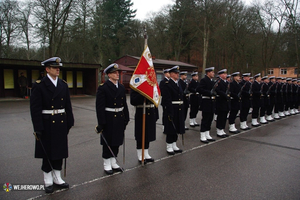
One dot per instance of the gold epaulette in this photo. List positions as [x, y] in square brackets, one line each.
[65, 81]
[167, 82]
[38, 81]
[101, 84]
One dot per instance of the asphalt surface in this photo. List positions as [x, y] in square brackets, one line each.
[262, 163]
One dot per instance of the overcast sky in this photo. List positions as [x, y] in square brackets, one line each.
[144, 8]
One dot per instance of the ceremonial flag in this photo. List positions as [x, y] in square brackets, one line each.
[144, 80]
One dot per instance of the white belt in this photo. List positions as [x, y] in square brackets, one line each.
[146, 106]
[195, 93]
[206, 97]
[177, 102]
[114, 109]
[54, 111]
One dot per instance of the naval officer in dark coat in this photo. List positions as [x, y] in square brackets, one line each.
[52, 118]
[194, 99]
[246, 95]
[257, 99]
[161, 85]
[113, 117]
[272, 95]
[222, 103]
[235, 96]
[206, 89]
[172, 95]
[184, 86]
[137, 100]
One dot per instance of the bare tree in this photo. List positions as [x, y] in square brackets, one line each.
[9, 25]
[271, 16]
[52, 17]
[25, 24]
[292, 17]
[210, 11]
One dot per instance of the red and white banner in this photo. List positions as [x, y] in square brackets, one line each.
[144, 80]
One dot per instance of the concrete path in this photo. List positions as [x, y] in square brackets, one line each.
[262, 163]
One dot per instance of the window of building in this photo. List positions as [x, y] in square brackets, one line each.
[79, 79]
[70, 79]
[270, 72]
[35, 74]
[283, 71]
[8, 79]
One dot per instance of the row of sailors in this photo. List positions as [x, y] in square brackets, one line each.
[231, 95]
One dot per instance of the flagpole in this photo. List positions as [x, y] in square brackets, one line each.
[145, 37]
[144, 111]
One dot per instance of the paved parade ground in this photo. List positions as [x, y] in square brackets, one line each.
[261, 163]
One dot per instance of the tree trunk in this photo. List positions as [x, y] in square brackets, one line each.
[205, 46]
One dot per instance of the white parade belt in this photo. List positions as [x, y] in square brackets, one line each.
[177, 102]
[207, 97]
[114, 109]
[54, 111]
[146, 106]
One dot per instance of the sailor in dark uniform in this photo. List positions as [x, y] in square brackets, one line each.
[272, 98]
[173, 101]
[113, 117]
[256, 99]
[284, 94]
[137, 100]
[246, 96]
[228, 78]
[278, 108]
[289, 96]
[207, 90]
[194, 99]
[52, 118]
[264, 99]
[295, 96]
[222, 103]
[161, 85]
[235, 96]
[184, 86]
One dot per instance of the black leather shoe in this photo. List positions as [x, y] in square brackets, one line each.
[234, 132]
[245, 129]
[145, 162]
[149, 160]
[63, 185]
[210, 140]
[204, 141]
[171, 152]
[109, 172]
[117, 169]
[178, 151]
[226, 135]
[255, 125]
[49, 189]
[197, 124]
[192, 125]
[186, 128]
[221, 136]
